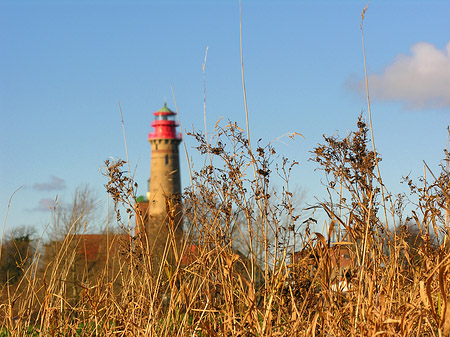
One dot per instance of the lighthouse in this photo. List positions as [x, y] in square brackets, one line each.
[161, 214]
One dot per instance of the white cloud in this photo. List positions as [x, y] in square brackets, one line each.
[55, 183]
[420, 80]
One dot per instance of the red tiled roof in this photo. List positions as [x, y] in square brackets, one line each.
[92, 247]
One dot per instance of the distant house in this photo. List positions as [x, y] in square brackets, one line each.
[82, 259]
[341, 260]
[95, 248]
[340, 257]
[91, 251]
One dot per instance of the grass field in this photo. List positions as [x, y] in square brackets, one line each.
[242, 280]
[257, 268]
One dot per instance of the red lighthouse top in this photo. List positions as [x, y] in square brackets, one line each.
[165, 125]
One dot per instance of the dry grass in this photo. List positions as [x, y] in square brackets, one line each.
[242, 280]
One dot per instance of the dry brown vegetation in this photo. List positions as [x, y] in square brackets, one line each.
[241, 280]
[257, 268]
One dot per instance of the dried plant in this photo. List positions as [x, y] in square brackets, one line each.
[247, 267]
[248, 264]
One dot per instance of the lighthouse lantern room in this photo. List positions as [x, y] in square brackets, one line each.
[165, 126]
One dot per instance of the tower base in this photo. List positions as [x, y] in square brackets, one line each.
[161, 235]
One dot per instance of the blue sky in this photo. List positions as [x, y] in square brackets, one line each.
[65, 65]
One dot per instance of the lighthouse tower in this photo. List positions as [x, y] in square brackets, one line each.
[162, 215]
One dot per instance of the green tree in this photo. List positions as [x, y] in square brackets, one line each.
[16, 254]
